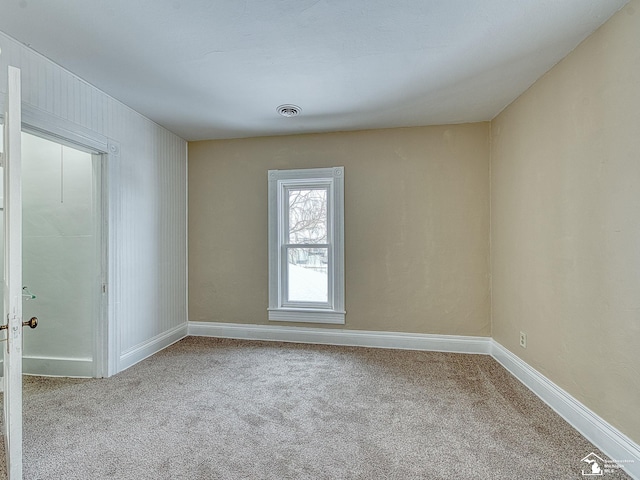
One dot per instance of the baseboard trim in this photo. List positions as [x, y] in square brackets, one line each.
[144, 350]
[611, 441]
[338, 336]
[57, 367]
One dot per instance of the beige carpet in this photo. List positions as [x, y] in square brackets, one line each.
[224, 409]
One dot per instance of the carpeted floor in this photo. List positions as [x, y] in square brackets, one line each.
[224, 409]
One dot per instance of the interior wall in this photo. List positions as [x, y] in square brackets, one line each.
[146, 174]
[565, 222]
[416, 226]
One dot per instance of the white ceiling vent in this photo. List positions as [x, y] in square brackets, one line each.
[289, 110]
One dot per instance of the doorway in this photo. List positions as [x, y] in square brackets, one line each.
[62, 258]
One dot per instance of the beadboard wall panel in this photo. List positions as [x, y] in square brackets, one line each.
[146, 183]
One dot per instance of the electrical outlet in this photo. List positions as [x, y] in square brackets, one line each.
[523, 340]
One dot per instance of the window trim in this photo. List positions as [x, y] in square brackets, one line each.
[280, 309]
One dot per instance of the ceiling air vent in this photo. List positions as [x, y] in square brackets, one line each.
[289, 110]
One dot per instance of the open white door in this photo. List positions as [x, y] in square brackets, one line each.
[12, 323]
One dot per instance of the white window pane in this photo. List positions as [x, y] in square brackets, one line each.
[308, 216]
[308, 279]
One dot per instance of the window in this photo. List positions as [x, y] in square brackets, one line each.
[306, 245]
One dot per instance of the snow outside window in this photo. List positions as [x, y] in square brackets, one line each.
[306, 245]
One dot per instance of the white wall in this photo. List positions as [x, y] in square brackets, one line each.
[147, 190]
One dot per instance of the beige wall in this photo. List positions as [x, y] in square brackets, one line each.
[565, 222]
[416, 226]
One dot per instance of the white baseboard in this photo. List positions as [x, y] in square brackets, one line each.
[338, 336]
[607, 438]
[57, 367]
[616, 445]
[139, 352]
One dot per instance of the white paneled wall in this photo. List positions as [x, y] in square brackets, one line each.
[147, 202]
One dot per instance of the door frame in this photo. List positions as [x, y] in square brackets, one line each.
[12, 307]
[105, 153]
[46, 125]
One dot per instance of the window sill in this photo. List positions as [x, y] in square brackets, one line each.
[306, 315]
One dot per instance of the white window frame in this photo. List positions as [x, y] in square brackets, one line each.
[280, 182]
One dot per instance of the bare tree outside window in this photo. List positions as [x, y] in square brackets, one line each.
[308, 279]
[308, 216]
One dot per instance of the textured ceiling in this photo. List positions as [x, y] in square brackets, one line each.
[218, 69]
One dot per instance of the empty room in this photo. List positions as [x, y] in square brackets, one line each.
[320, 240]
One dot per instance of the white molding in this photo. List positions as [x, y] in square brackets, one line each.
[338, 336]
[607, 438]
[616, 445]
[113, 147]
[57, 367]
[612, 442]
[331, 178]
[61, 130]
[308, 316]
[139, 352]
